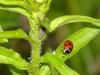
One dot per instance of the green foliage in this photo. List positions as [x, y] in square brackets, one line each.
[8, 56]
[58, 64]
[2, 40]
[15, 9]
[35, 10]
[45, 70]
[15, 71]
[71, 19]
[14, 34]
[9, 23]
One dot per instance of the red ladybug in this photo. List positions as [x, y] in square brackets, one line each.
[68, 46]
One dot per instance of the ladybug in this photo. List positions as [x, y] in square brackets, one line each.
[68, 46]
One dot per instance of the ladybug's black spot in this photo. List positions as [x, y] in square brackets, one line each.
[69, 44]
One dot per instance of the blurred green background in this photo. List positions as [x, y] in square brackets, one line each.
[86, 61]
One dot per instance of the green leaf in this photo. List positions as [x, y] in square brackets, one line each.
[9, 20]
[46, 23]
[2, 40]
[45, 6]
[72, 19]
[40, 1]
[15, 9]
[58, 64]
[45, 70]
[13, 2]
[79, 39]
[15, 71]
[43, 9]
[14, 34]
[8, 56]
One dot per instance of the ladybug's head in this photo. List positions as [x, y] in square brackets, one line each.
[67, 50]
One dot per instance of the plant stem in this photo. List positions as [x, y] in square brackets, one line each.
[35, 58]
[36, 46]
